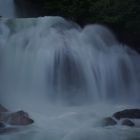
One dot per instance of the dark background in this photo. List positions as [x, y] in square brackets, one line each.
[121, 16]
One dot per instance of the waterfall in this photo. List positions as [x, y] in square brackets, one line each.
[67, 77]
[7, 8]
[52, 59]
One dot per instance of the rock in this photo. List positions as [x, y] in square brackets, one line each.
[3, 109]
[128, 122]
[15, 119]
[128, 113]
[8, 130]
[2, 125]
[108, 121]
[4, 116]
[19, 118]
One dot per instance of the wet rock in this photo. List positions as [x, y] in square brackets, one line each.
[8, 130]
[19, 118]
[108, 121]
[4, 116]
[3, 109]
[128, 122]
[2, 125]
[128, 113]
[15, 119]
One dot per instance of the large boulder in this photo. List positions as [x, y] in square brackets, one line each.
[128, 113]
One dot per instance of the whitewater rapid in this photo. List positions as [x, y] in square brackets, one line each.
[67, 78]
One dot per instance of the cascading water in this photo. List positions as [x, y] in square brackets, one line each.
[7, 8]
[62, 74]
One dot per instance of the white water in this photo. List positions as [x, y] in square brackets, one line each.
[67, 78]
[7, 8]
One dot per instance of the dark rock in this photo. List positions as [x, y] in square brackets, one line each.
[4, 116]
[8, 130]
[16, 118]
[19, 118]
[108, 121]
[128, 113]
[2, 125]
[128, 122]
[3, 109]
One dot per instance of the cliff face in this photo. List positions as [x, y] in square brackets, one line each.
[123, 17]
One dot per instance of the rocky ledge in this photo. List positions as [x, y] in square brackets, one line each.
[11, 121]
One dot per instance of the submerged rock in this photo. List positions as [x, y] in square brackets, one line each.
[128, 122]
[128, 113]
[108, 121]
